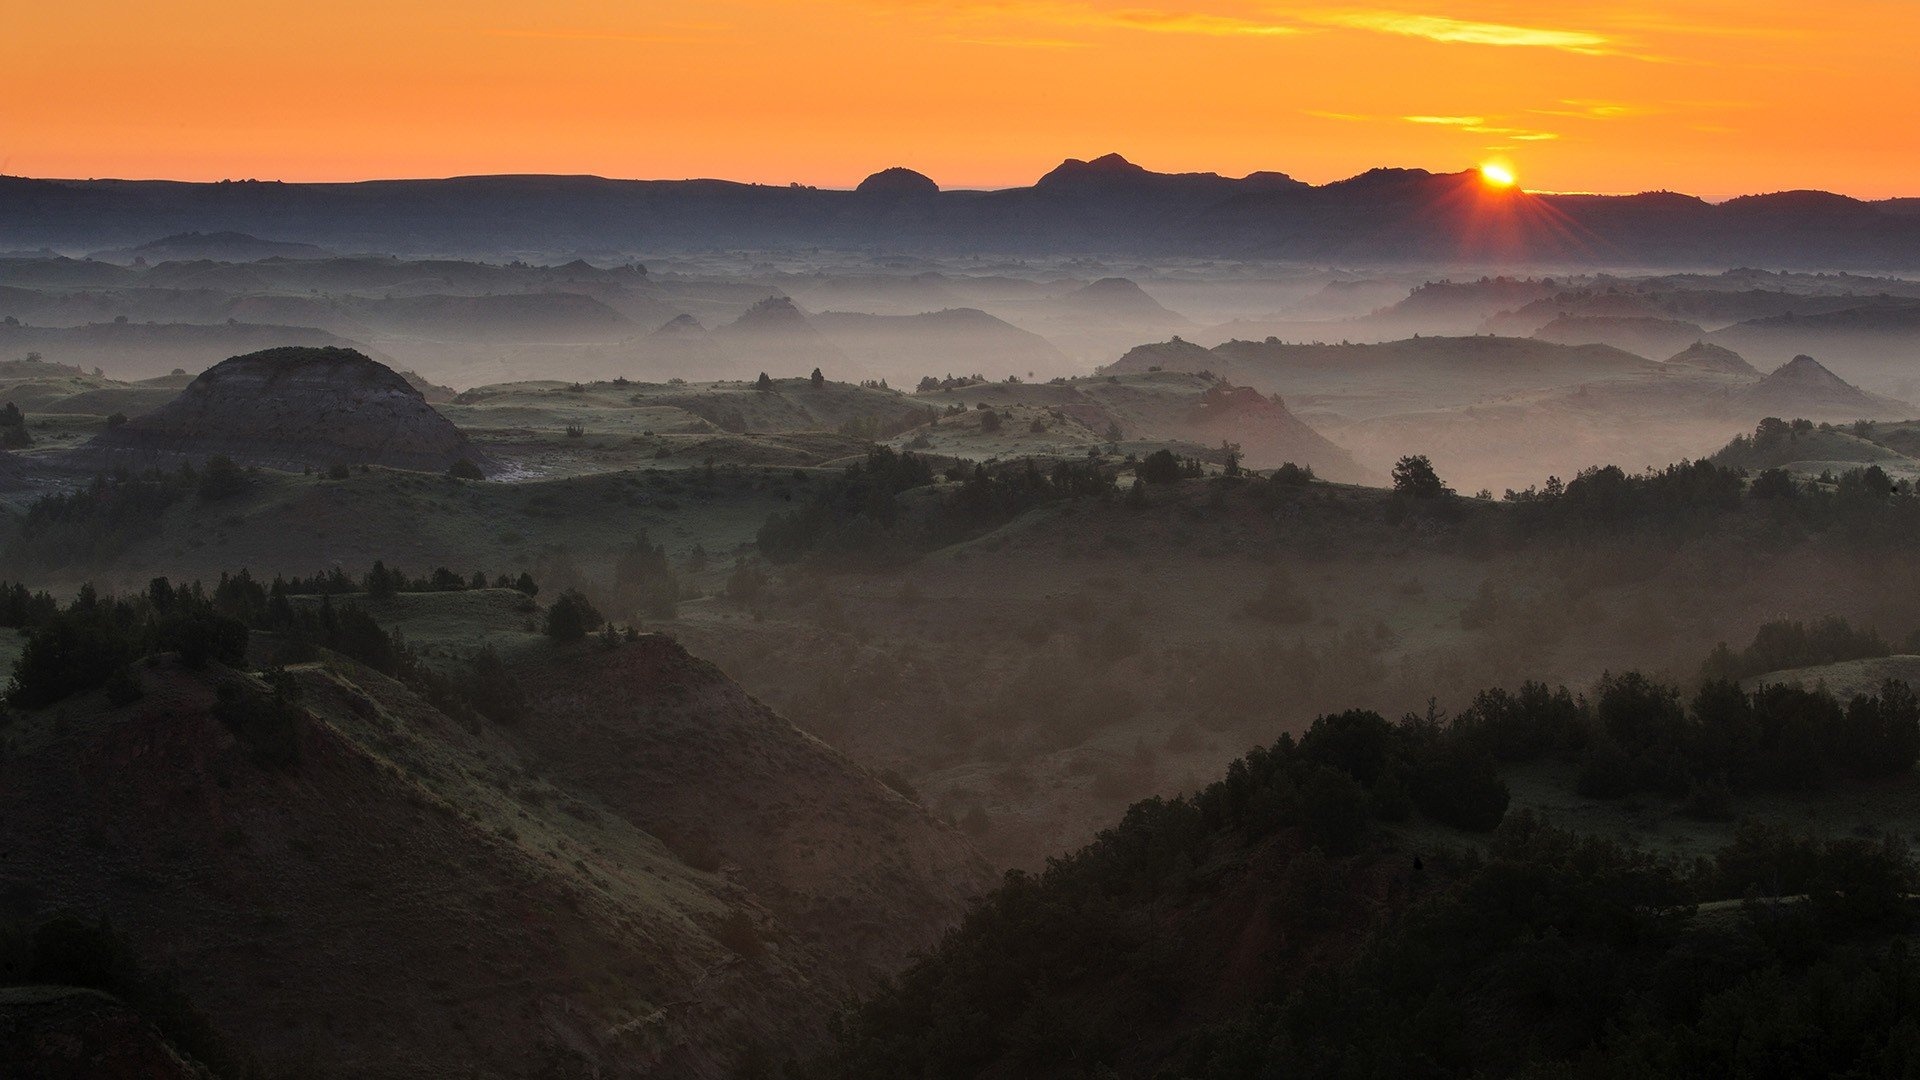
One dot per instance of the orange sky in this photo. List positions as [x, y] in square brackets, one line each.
[1707, 96]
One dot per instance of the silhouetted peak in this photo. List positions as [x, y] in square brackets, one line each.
[1268, 180]
[1383, 178]
[1805, 370]
[898, 181]
[773, 313]
[680, 324]
[1103, 170]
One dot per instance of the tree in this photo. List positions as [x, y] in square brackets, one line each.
[1414, 476]
[465, 470]
[381, 583]
[1163, 467]
[763, 383]
[571, 617]
[816, 379]
[13, 428]
[67, 655]
[223, 479]
[989, 421]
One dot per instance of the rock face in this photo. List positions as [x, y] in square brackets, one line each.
[293, 408]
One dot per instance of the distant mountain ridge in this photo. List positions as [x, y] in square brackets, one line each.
[1107, 204]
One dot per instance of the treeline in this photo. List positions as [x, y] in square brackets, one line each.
[1788, 644]
[1552, 954]
[1634, 733]
[1864, 500]
[859, 515]
[92, 642]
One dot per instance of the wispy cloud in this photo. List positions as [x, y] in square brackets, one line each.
[1022, 42]
[1161, 20]
[1465, 32]
[1480, 125]
[1091, 15]
[1596, 110]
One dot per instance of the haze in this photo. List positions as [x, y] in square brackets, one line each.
[1010, 540]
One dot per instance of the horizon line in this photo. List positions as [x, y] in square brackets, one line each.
[1712, 199]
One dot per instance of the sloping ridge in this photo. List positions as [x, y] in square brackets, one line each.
[844, 863]
[1269, 433]
[412, 896]
[295, 408]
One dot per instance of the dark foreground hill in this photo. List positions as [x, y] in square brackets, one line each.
[645, 873]
[294, 408]
[1323, 910]
[1108, 204]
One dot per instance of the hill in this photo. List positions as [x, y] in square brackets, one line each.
[1136, 411]
[1804, 387]
[1648, 336]
[955, 339]
[647, 882]
[1716, 358]
[294, 408]
[775, 334]
[1107, 204]
[130, 350]
[1358, 381]
[218, 246]
[1869, 343]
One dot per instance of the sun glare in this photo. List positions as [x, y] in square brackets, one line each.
[1497, 175]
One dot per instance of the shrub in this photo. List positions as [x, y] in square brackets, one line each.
[223, 479]
[66, 655]
[1414, 476]
[571, 617]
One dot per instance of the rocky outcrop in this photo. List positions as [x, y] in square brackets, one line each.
[295, 408]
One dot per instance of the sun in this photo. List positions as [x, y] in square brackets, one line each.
[1497, 175]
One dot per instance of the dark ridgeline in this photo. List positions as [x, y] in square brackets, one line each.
[1105, 205]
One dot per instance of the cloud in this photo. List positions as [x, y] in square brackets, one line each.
[1461, 31]
[1090, 15]
[1596, 110]
[1480, 125]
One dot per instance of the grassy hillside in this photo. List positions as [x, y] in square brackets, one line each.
[616, 883]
